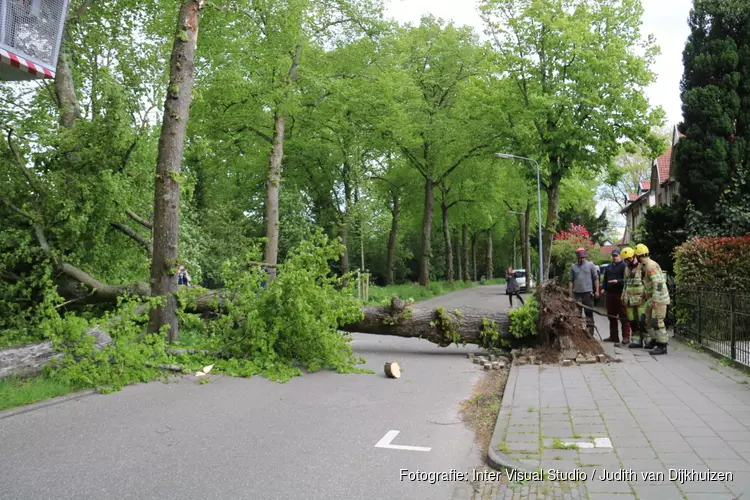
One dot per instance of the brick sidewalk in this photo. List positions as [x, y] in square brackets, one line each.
[679, 411]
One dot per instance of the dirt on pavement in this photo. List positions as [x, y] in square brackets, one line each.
[480, 411]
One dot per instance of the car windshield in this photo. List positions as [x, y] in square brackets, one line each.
[520, 273]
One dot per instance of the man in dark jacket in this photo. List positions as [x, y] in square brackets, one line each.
[614, 281]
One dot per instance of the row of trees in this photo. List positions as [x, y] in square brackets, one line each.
[305, 115]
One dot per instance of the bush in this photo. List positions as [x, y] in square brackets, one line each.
[564, 248]
[714, 262]
[524, 321]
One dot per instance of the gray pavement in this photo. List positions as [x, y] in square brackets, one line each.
[313, 437]
[680, 411]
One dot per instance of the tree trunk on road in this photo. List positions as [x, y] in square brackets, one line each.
[429, 204]
[398, 319]
[465, 251]
[392, 240]
[167, 190]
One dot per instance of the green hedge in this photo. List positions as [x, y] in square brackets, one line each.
[714, 262]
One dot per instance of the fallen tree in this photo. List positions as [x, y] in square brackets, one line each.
[400, 319]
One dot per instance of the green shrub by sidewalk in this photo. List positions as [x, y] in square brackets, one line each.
[17, 391]
[714, 262]
[524, 321]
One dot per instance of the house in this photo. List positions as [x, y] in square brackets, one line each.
[659, 190]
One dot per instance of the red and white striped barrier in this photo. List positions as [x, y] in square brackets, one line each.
[25, 65]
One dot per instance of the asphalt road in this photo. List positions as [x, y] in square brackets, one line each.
[311, 438]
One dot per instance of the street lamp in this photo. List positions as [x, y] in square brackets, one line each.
[538, 206]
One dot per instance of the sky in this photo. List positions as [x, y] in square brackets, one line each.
[665, 19]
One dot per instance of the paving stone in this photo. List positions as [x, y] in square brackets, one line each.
[556, 429]
[723, 452]
[641, 453]
[552, 454]
[610, 496]
[739, 467]
[587, 421]
[689, 487]
[706, 442]
[671, 447]
[679, 458]
[587, 430]
[655, 436]
[703, 431]
[521, 438]
[630, 441]
[652, 491]
[734, 435]
[596, 486]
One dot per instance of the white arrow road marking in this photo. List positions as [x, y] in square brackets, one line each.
[385, 442]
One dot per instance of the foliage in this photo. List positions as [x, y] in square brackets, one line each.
[597, 226]
[714, 262]
[662, 231]
[712, 159]
[565, 245]
[411, 291]
[109, 368]
[524, 321]
[290, 325]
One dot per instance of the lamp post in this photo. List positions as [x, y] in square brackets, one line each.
[538, 205]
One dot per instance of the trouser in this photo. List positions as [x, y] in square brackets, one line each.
[654, 322]
[587, 299]
[615, 307]
[635, 314]
[517, 294]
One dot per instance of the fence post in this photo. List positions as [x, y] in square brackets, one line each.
[732, 323]
[700, 317]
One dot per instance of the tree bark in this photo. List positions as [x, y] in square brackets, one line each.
[526, 247]
[273, 180]
[167, 190]
[489, 254]
[474, 255]
[429, 203]
[413, 321]
[447, 239]
[459, 257]
[465, 251]
[553, 200]
[392, 240]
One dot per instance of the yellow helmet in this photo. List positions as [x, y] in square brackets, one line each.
[627, 253]
[641, 249]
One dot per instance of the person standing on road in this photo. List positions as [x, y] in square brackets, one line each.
[614, 282]
[584, 286]
[657, 300]
[512, 287]
[633, 298]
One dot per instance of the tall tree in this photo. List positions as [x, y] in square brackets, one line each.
[580, 69]
[713, 159]
[167, 190]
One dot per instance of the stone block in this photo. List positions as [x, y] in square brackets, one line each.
[567, 362]
[570, 354]
[488, 366]
[522, 361]
[601, 358]
[476, 360]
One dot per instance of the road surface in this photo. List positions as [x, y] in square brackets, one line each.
[312, 438]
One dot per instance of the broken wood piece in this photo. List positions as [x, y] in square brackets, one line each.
[392, 370]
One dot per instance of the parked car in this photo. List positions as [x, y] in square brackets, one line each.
[521, 279]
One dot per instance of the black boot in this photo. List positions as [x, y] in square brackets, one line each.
[635, 345]
[650, 345]
[660, 349]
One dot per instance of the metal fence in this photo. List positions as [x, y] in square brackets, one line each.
[716, 319]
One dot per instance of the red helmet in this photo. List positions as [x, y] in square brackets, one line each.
[581, 253]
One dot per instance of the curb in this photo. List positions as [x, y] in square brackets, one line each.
[499, 460]
[49, 402]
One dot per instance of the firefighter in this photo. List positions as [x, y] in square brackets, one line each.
[657, 300]
[633, 297]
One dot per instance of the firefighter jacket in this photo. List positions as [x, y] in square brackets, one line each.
[633, 294]
[654, 282]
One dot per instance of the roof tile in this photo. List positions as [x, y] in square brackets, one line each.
[663, 165]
